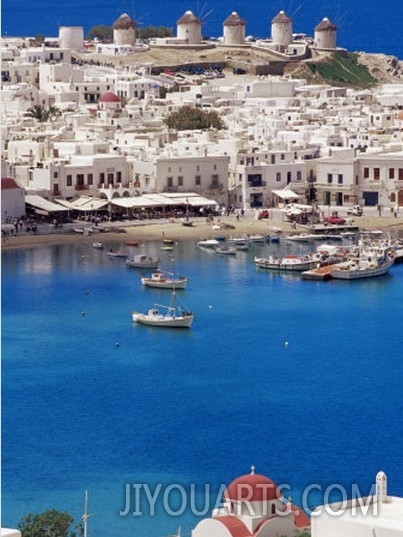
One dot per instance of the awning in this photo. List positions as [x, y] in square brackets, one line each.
[85, 204]
[190, 198]
[286, 194]
[135, 202]
[43, 204]
[199, 201]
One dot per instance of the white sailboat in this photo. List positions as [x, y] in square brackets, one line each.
[86, 515]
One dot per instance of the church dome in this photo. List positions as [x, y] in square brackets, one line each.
[109, 98]
[254, 488]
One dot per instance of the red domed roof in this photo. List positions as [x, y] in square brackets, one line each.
[254, 488]
[109, 98]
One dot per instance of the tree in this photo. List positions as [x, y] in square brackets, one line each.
[154, 31]
[192, 118]
[101, 32]
[51, 523]
[42, 114]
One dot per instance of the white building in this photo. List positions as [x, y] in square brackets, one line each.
[64, 82]
[189, 28]
[207, 175]
[380, 177]
[67, 169]
[253, 507]
[336, 178]
[379, 515]
[45, 54]
[12, 206]
[257, 173]
[136, 88]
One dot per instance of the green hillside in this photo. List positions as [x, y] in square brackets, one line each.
[342, 69]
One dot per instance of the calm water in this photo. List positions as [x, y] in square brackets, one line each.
[370, 26]
[191, 407]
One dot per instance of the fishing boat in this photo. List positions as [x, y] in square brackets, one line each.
[369, 263]
[165, 316]
[143, 261]
[294, 263]
[163, 280]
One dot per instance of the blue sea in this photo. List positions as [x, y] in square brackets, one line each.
[301, 379]
[362, 26]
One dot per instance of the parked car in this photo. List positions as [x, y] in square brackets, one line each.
[334, 219]
[264, 214]
[357, 210]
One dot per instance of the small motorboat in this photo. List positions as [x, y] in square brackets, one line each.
[98, 245]
[208, 243]
[117, 254]
[143, 261]
[225, 250]
[132, 242]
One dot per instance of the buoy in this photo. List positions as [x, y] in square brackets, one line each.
[286, 343]
[83, 313]
[117, 344]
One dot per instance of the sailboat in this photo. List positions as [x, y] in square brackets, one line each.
[171, 316]
[86, 515]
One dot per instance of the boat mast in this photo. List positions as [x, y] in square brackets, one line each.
[86, 515]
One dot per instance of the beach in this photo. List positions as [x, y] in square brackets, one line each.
[154, 230]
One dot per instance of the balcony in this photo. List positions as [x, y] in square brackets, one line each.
[216, 186]
[82, 187]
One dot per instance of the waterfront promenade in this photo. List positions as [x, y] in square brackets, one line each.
[149, 230]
